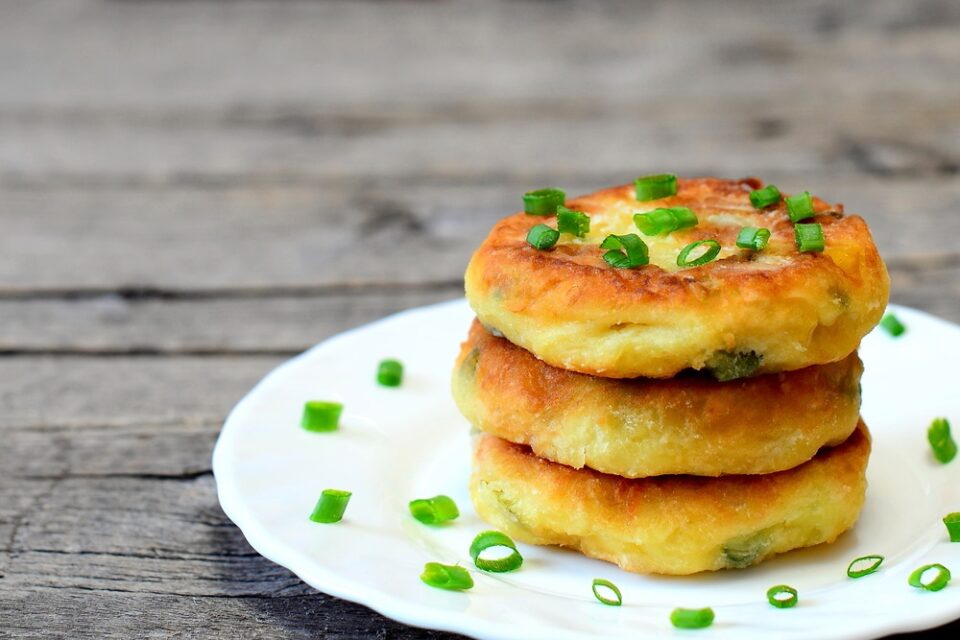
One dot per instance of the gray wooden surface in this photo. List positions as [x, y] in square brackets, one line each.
[191, 192]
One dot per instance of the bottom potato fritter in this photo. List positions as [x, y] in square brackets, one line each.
[673, 525]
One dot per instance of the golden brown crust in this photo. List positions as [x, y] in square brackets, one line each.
[674, 524]
[576, 312]
[645, 427]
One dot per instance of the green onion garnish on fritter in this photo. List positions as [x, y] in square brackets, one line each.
[712, 251]
[625, 252]
[435, 510]
[782, 596]
[543, 202]
[655, 187]
[573, 222]
[952, 522]
[660, 222]
[321, 415]
[692, 618]
[864, 566]
[753, 238]
[800, 207]
[940, 578]
[495, 540]
[446, 576]
[892, 325]
[600, 586]
[330, 506]
[542, 237]
[938, 435]
[809, 237]
[762, 198]
[390, 373]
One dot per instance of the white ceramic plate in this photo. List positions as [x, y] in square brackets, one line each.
[398, 444]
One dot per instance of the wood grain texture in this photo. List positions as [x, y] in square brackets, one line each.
[192, 191]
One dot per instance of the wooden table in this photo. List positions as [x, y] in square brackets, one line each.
[191, 192]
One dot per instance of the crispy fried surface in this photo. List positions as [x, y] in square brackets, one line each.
[646, 427]
[574, 311]
[674, 524]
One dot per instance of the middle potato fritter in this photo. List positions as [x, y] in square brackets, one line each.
[645, 427]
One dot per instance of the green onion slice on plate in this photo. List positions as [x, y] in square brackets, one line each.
[600, 586]
[942, 443]
[495, 540]
[939, 581]
[692, 618]
[435, 510]
[320, 415]
[390, 373]
[330, 506]
[864, 566]
[952, 522]
[446, 576]
[892, 325]
[782, 596]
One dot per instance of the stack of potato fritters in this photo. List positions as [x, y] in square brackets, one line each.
[671, 419]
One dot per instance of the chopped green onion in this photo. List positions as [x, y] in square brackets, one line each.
[866, 564]
[320, 415]
[952, 522]
[762, 198]
[712, 252]
[446, 576]
[435, 510]
[939, 581]
[809, 237]
[390, 373]
[782, 596]
[330, 506]
[542, 237]
[491, 540]
[692, 618]
[893, 325]
[663, 221]
[753, 238]
[575, 222]
[626, 251]
[800, 207]
[655, 187]
[599, 583]
[543, 202]
[944, 448]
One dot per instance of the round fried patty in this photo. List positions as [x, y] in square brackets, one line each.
[745, 312]
[646, 427]
[674, 524]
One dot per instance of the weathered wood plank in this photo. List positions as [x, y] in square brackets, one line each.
[277, 325]
[112, 324]
[343, 53]
[381, 233]
[75, 613]
[880, 135]
[78, 391]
